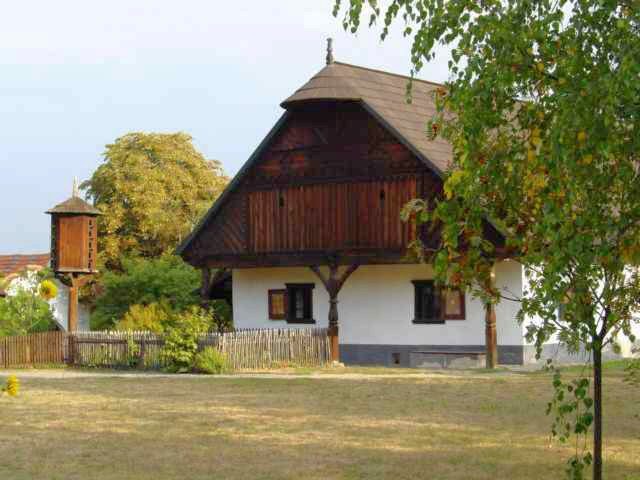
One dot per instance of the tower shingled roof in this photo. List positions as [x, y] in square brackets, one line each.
[75, 205]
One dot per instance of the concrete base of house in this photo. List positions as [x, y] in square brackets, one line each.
[426, 356]
[453, 359]
[401, 355]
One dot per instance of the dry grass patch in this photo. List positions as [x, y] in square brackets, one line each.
[453, 426]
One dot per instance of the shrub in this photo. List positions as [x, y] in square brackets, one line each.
[181, 339]
[221, 316]
[25, 309]
[143, 282]
[210, 361]
[154, 317]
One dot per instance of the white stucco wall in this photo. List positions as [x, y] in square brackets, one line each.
[376, 306]
[555, 350]
[60, 309]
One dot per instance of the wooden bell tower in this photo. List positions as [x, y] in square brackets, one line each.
[74, 246]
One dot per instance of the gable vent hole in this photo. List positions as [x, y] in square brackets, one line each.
[281, 201]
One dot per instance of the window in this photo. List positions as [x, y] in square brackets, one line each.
[427, 302]
[433, 305]
[300, 303]
[277, 304]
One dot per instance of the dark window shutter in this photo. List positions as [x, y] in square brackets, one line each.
[428, 308]
[300, 302]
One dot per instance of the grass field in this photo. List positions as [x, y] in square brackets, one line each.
[362, 424]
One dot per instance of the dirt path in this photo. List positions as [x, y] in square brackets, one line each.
[73, 373]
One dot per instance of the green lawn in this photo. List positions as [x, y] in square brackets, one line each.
[363, 426]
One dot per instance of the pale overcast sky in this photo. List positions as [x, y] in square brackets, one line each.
[75, 75]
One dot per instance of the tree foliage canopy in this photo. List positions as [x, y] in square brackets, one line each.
[152, 189]
[542, 109]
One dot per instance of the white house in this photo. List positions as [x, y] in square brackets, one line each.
[20, 272]
[311, 233]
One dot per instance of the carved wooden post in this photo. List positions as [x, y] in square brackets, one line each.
[75, 282]
[491, 335]
[73, 306]
[333, 285]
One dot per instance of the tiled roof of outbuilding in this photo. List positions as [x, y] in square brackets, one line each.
[13, 264]
[16, 263]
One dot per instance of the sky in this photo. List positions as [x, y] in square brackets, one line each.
[76, 75]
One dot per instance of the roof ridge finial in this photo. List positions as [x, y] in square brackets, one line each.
[74, 191]
[329, 51]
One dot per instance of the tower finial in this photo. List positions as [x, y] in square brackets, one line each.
[74, 192]
[329, 51]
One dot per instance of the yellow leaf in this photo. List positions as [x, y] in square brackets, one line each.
[452, 182]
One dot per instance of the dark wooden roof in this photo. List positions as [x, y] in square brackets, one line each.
[382, 94]
[75, 205]
[385, 95]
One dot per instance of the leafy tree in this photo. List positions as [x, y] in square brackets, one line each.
[543, 115]
[143, 282]
[26, 309]
[152, 188]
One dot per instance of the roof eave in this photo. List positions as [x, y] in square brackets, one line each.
[287, 104]
[231, 186]
[74, 212]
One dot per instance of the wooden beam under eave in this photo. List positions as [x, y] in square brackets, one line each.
[304, 259]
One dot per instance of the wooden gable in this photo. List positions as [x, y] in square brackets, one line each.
[330, 182]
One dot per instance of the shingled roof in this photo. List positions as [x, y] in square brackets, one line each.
[384, 94]
[75, 205]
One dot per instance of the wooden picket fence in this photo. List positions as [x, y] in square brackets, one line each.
[37, 349]
[273, 348]
[257, 349]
